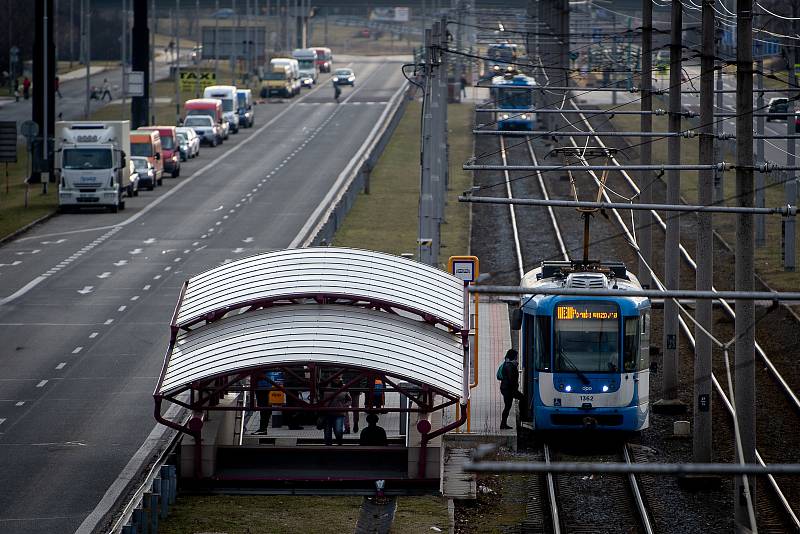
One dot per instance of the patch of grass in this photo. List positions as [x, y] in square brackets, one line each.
[387, 218]
[416, 515]
[263, 514]
[13, 213]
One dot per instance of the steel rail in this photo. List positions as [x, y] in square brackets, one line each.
[722, 166]
[637, 495]
[622, 468]
[512, 211]
[551, 492]
[686, 134]
[543, 188]
[687, 331]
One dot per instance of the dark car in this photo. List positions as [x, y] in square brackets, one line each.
[778, 109]
[344, 77]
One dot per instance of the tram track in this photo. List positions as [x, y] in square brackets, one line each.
[780, 495]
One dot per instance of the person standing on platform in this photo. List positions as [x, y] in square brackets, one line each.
[373, 435]
[334, 420]
[509, 385]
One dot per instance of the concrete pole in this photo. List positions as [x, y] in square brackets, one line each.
[235, 45]
[701, 438]
[744, 325]
[670, 401]
[760, 154]
[71, 32]
[790, 186]
[140, 61]
[645, 148]
[198, 45]
[437, 154]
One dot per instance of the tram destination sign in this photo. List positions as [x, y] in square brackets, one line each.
[571, 313]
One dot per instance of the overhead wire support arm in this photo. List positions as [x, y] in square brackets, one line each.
[686, 134]
[723, 166]
[782, 210]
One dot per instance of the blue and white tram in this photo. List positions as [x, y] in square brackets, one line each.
[499, 56]
[586, 360]
[513, 93]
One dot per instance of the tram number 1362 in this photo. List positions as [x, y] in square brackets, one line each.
[587, 397]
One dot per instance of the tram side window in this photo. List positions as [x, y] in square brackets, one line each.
[644, 342]
[631, 345]
[541, 345]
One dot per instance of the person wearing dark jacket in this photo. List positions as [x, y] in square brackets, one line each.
[509, 385]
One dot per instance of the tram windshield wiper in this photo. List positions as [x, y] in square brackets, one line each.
[565, 359]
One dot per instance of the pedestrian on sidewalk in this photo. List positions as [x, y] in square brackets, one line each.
[57, 84]
[106, 91]
[509, 384]
[463, 85]
[26, 88]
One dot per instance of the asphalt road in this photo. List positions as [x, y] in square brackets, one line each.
[86, 299]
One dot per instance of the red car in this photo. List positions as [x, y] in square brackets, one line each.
[170, 149]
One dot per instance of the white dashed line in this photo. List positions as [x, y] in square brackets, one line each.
[176, 260]
[135, 297]
[146, 288]
[195, 243]
[167, 268]
[2, 420]
[109, 321]
[93, 335]
[61, 366]
[121, 308]
[76, 350]
[42, 383]
[156, 277]
[20, 403]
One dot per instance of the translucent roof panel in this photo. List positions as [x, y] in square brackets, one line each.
[337, 272]
[329, 334]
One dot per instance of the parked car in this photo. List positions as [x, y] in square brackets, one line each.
[146, 171]
[193, 141]
[344, 77]
[778, 109]
[148, 144]
[133, 187]
[211, 107]
[206, 129]
[244, 104]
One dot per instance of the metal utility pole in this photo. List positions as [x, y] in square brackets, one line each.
[71, 32]
[199, 45]
[744, 325]
[153, 29]
[124, 43]
[177, 61]
[701, 438]
[234, 62]
[719, 186]
[790, 186]
[87, 52]
[216, 40]
[428, 224]
[140, 62]
[43, 89]
[760, 154]
[670, 402]
[645, 148]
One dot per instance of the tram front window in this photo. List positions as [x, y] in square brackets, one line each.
[516, 98]
[587, 337]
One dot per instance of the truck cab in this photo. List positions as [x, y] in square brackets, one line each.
[307, 63]
[227, 95]
[91, 164]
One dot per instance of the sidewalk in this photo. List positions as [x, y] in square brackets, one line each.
[80, 73]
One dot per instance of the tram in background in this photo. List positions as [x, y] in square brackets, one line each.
[585, 360]
[499, 56]
[513, 93]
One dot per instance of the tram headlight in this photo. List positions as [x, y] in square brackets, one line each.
[524, 116]
[504, 116]
[605, 389]
[567, 388]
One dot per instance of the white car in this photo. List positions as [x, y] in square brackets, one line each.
[192, 140]
[145, 172]
[205, 128]
[344, 77]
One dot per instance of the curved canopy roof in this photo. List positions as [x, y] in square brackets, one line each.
[306, 333]
[383, 279]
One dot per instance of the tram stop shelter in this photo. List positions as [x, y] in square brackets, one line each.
[284, 332]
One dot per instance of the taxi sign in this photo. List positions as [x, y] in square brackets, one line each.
[463, 267]
[277, 397]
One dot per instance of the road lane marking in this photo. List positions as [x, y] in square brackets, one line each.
[135, 297]
[20, 403]
[109, 321]
[121, 308]
[104, 275]
[42, 383]
[76, 350]
[146, 288]
[93, 335]
[156, 277]
[61, 366]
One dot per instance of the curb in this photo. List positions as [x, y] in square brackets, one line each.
[16, 233]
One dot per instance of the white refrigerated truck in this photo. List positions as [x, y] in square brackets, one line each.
[92, 163]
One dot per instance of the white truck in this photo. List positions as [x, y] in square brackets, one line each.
[92, 164]
[307, 63]
[227, 94]
[292, 66]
